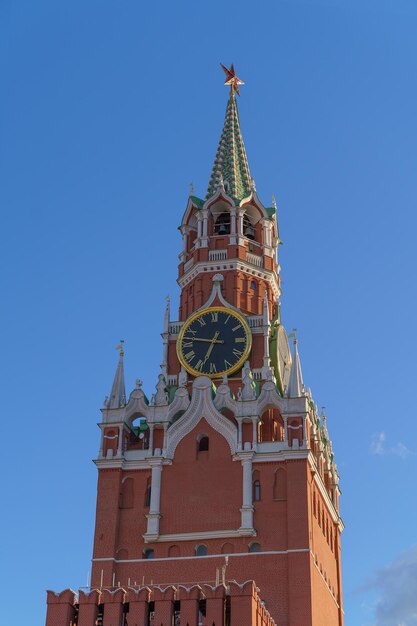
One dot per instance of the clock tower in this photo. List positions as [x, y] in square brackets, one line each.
[218, 498]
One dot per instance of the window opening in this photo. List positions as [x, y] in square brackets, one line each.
[201, 550]
[255, 547]
[203, 444]
[149, 553]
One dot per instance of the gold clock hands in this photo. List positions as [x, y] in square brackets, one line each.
[213, 341]
[206, 340]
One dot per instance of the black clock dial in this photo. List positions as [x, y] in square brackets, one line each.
[214, 342]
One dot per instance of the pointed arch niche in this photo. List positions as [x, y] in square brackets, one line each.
[279, 490]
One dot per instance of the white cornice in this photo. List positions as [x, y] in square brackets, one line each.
[281, 455]
[231, 264]
[322, 488]
[207, 556]
[199, 536]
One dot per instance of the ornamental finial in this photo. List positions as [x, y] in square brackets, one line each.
[120, 347]
[232, 79]
[293, 335]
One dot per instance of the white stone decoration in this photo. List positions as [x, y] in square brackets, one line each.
[201, 406]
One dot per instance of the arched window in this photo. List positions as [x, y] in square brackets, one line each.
[203, 443]
[201, 550]
[222, 224]
[254, 547]
[148, 492]
[148, 553]
[256, 486]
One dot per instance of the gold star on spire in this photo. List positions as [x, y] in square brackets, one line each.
[232, 79]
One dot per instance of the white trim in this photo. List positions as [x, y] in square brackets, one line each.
[208, 534]
[324, 580]
[321, 487]
[202, 267]
[290, 454]
[201, 406]
[207, 556]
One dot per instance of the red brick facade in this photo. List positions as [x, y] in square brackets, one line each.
[216, 483]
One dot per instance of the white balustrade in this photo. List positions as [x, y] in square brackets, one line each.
[174, 327]
[254, 259]
[217, 255]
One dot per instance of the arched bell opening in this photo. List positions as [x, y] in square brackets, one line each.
[252, 225]
[110, 442]
[249, 230]
[271, 426]
[222, 224]
[138, 434]
[190, 234]
[295, 433]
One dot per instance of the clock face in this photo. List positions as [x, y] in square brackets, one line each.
[283, 358]
[214, 342]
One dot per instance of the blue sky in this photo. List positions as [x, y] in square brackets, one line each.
[108, 111]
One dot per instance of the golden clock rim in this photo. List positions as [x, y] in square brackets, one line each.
[211, 309]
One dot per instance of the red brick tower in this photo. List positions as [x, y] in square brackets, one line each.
[226, 476]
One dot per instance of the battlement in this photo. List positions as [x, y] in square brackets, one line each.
[154, 605]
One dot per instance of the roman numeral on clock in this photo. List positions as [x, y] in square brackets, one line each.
[214, 316]
[239, 339]
[237, 352]
[187, 344]
[199, 365]
[190, 355]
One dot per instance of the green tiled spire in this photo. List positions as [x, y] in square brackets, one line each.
[231, 164]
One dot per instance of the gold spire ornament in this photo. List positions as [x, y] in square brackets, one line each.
[120, 347]
[232, 79]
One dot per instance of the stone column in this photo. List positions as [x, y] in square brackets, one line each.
[247, 507]
[233, 226]
[255, 433]
[204, 238]
[164, 445]
[241, 213]
[239, 432]
[151, 429]
[154, 514]
[199, 229]
[120, 441]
